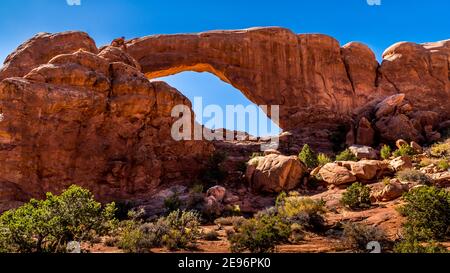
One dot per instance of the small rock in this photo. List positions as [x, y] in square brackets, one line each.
[363, 152]
[401, 163]
[218, 192]
[400, 143]
[417, 148]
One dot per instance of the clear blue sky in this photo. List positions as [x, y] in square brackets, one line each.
[346, 20]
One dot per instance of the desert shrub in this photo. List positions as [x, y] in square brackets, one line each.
[132, 239]
[211, 236]
[386, 181]
[404, 150]
[184, 229]
[230, 221]
[259, 235]
[415, 247]
[346, 155]
[304, 212]
[427, 212]
[443, 165]
[173, 202]
[323, 159]
[308, 157]
[356, 236]
[357, 196]
[386, 152]
[411, 175]
[178, 230]
[48, 225]
[426, 162]
[441, 149]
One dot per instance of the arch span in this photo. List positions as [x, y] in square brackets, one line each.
[312, 78]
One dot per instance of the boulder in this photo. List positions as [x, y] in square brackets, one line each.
[275, 173]
[416, 147]
[391, 128]
[218, 192]
[363, 152]
[441, 179]
[401, 163]
[335, 174]
[395, 189]
[389, 105]
[367, 169]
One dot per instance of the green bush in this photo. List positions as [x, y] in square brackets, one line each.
[323, 159]
[179, 230]
[427, 212]
[356, 236]
[443, 165]
[346, 155]
[305, 213]
[411, 175]
[308, 157]
[48, 225]
[414, 247]
[357, 196]
[259, 235]
[441, 149]
[386, 152]
[404, 150]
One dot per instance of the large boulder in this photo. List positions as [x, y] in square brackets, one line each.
[275, 173]
[367, 170]
[336, 174]
[388, 106]
[391, 128]
[395, 189]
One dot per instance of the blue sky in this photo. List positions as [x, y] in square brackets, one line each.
[346, 20]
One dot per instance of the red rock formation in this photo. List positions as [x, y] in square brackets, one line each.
[90, 120]
[72, 114]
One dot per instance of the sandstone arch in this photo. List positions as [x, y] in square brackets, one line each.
[314, 79]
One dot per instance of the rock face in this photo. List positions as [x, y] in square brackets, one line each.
[275, 173]
[313, 78]
[88, 119]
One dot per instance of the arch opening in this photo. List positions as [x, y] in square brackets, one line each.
[208, 91]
